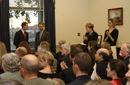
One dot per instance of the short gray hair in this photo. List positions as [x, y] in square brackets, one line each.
[61, 42]
[22, 51]
[66, 46]
[11, 62]
[44, 48]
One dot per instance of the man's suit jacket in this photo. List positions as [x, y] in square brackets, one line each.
[19, 37]
[67, 75]
[45, 37]
[126, 61]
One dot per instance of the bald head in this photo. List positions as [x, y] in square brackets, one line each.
[21, 51]
[30, 64]
[104, 50]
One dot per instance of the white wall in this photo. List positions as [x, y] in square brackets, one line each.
[70, 18]
[98, 14]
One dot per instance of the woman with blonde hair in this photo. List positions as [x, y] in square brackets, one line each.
[46, 60]
[2, 52]
[108, 47]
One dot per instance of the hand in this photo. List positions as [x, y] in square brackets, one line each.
[63, 65]
[108, 34]
[85, 37]
[96, 76]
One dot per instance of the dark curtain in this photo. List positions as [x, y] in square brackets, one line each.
[49, 11]
[4, 24]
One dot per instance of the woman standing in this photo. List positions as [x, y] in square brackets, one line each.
[90, 35]
[111, 36]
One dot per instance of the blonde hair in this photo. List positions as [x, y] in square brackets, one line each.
[2, 50]
[107, 46]
[113, 21]
[47, 56]
[56, 81]
[90, 25]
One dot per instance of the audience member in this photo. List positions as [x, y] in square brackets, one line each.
[92, 49]
[21, 51]
[9, 82]
[42, 35]
[56, 81]
[11, 67]
[128, 75]
[29, 69]
[111, 36]
[67, 74]
[108, 47]
[90, 34]
[102, 57]
[65, 50]
[46, 60]
[58, 55]
[27, 46]
[125, 53]
[98, 82]
[81, 69]
[2, 52]
[21, 35]
[116, 70]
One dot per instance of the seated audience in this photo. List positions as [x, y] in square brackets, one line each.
[58, 55]
[46, 60]
[29, 70]
[2, 52]
[92, 49]
[27, 46]
[21, 51]
[116, 70]
[11, 67]
[127, 75]
[56, 81]
[67, 74]
[102, 57]
[125, 53]
[108, 47]
[98, 82]
[81, 69]
[65, 50]
[9, 82]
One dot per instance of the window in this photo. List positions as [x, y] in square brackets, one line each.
[30, 11]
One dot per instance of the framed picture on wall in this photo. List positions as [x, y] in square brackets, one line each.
[117, 15]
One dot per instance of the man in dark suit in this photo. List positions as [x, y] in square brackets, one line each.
[21, 35]
[42, 35]
[102, 57]
[125, 52]
[81, 69]
[67, 74]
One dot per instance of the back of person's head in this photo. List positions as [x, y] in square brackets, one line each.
[23, 24]
[9, 82]
[98, 82]
[11, 62]
[75, 49]
[83, 60]
[128, 47]
[2, 50]
[27, 46]
[107, 46]
[47, 56]
[90, 25]
[30, 64]
[61, 42]
[56, 81]
[118, 66]
[22, 51]
[44, 46]
[66, 46]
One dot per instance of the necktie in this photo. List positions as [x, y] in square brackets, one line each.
[24, 36]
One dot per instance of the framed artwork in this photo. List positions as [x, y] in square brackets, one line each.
[99, 41]
[117, 15]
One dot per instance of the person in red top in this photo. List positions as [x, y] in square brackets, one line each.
[116, 70]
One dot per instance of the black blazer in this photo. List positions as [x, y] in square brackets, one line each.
[19, 37]
[45, 37]
[67, 75]
[126, 61]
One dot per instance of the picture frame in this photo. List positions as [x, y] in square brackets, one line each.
[99, 41]
[116, 14]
